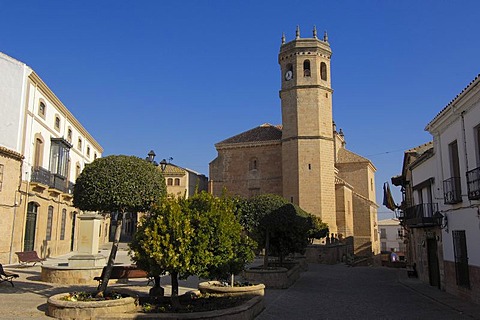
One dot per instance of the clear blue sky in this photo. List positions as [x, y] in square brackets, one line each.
[179, 76]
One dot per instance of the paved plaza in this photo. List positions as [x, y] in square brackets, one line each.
[322, 292]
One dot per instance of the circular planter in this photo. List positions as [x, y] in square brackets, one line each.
[62, 309]
[216, 288]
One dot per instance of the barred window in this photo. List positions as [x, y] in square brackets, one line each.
[49, 223]
[64, 221]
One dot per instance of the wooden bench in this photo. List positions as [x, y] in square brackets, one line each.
[29, 256]
[7, 276]
[124, 272]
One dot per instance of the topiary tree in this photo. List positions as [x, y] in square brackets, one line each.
[286, 230]
[195, 236]
[318, 229]
[118, 184]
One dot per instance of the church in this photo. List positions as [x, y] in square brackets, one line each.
[304, 159]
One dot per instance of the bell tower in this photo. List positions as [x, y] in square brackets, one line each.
[308, 168]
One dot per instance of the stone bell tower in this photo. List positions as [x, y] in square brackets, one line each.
[308, 167]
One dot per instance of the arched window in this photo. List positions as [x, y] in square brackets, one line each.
[306, 68]
[48, 236]
[64, 221]
[38, 155]
[169, 182]
[30, 226]
[69, 135]
[323, 71]
[42, 109]
[253, 164]
[79, 144]
[177, 181]
[57, 123]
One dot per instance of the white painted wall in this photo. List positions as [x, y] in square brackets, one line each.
[446, 128]
[12, 81]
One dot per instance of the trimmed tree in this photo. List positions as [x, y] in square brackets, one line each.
[118, 184]
[194, 236]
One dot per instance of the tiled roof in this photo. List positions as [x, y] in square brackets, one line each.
[476, 80]
[10, 153]
[173, 169]
[421, 148]
[265, 132]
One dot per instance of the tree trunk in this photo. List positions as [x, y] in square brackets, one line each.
[267, 244]
[174, 296]
[111, 258]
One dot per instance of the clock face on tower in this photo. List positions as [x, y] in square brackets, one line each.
[288, 75]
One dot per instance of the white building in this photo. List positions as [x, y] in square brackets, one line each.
[441, 198]
[50, 148]
[456, 143]
[391, 236]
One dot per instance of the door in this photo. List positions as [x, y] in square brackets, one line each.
[433, 266]
[30, 226]
[72, 234]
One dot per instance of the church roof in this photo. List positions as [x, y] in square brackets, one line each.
[347, 156]
[265, 132]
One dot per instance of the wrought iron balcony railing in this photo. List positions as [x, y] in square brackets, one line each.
[452, 192]
[56, 181]
[473, 184]
[421, 215]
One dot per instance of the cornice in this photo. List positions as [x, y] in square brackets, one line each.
[11, 154]
[223, 146]
[70, 117]
[307, 86]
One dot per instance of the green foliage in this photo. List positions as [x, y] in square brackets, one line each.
[195, 236]
[287, 229]
[251, 211]
[318, 228]
[118, 183]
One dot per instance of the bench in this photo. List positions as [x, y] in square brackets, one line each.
[29, 256]
[7, 276]
[124, 272]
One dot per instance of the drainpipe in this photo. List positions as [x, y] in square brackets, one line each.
[464, 139]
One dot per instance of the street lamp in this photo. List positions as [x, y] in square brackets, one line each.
[163, 164]
[151, 156]
[440, 220]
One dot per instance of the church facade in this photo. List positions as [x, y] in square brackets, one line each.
[304, 159]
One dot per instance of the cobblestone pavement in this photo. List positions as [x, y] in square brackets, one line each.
[323, 292]
[342, 292]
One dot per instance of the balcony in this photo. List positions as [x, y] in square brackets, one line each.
[473, 184]
[420, 216]
[452, 192]
[55, 181]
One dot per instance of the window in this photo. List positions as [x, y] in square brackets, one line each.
[169, 182]
[88, 151]
[177, 181]
[451, 187]
[69, 135]
[253, 164]
[323, 71]
[95, 156]
[38, 155]
[461, 258]
[42, 109]
[78, 169]
[1, 176]
[48, 236]
[59, 157]
[57, 123]
[384, 246]
[79, 144]
[64, 221]
[477, 143]
[306, 68]
[383, 233]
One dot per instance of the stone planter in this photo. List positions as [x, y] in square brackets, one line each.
[70, 275]
[247, 311]
[62, 309]
[276, 278]
[216, 288]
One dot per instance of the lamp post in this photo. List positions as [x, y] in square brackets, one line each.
[163, 165]
[440, 220]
